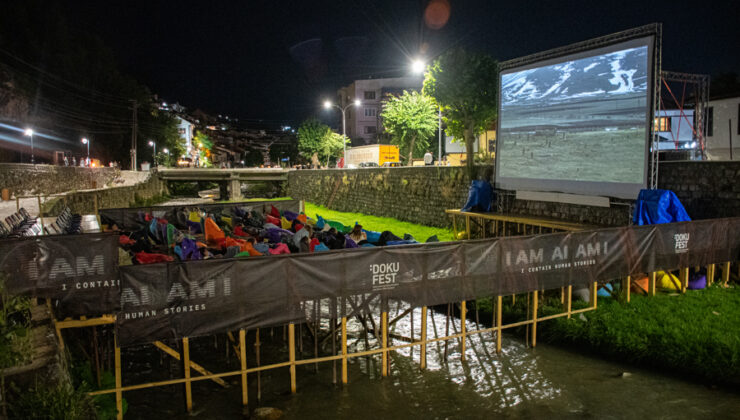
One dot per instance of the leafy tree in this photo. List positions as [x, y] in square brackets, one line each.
[465, 84]
[317, 138]
[203, 143]
[331, 145]
[411, 119]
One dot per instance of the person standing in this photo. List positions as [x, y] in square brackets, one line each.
[74, 161]
[428, 158]
[66, 161]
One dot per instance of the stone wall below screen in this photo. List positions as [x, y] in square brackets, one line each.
[421, 194]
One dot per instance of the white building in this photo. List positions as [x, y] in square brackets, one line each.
[722, 126]
[675, 129]
[363, 121]
[187, 131]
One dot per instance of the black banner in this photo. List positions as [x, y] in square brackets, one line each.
[79, 272]
[129, 218]
[204, 297]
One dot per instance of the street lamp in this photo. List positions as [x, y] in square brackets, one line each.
[328, 105]
[29, 133]
[87, 142]
[154, 155]
[417, 67]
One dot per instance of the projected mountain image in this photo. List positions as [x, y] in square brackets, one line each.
[579, 120]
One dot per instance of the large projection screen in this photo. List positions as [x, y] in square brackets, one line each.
[578, 123]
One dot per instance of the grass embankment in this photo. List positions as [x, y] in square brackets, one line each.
[379, 224]
[696, 334]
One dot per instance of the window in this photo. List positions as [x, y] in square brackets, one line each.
[369, 94]
[181, 130]
[710, 121]
[369, 112]
[662, 124]
[369, 129]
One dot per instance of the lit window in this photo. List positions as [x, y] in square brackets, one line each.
[369, 94]
[369, 112]
[662, 124]
[181, 130]
[370, 129]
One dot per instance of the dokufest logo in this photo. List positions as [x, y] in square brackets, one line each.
[682, 242]
[384, 275]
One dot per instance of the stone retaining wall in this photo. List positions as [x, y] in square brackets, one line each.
[707, 189]
[421, 194]
[27, 179]
[83, 202]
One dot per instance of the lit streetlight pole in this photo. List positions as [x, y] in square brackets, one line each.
[87, 142]
[328, 105]
[417, 67]
[154, 155]
[29, 133]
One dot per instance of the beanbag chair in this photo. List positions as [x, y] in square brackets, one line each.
[640, 285]
[125, 240]
[605, 290]
[272, 220]
[194, 217]
[313, 243]
[698, 280]
[289, 215]
[349, 242]
[238, 231]
[285, 223]
[401, 242]
[280, 249]
[432, 238]
[194, 227]
[338, 226]
[213, 232]
[302, 218]
[385, 237]
[242, 254]
[227, 221]
[274, 212]
[298, 237]
[372, 237]
[262, 248]
[147, 258]
[668, 281]
[320, 222]
[124, 258]
[320, 247]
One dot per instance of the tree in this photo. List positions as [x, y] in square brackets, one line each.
[317, 138]
[311, 134]
[203, 144]
[465, 84]
[411, 119]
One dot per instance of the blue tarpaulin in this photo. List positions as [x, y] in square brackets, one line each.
[658, 206]
[480, 196]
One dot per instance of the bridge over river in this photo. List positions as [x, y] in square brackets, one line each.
[232, 178]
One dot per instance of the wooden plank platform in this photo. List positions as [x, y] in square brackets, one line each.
[514, 222]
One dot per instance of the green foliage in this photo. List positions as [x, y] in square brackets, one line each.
[104, 404]
[15, 340]
[411, 119]
[317, 138]
[375, 223]
[46, 401]
[202, 142]
[465, 84]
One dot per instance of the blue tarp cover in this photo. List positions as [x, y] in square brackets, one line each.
[658, 206]
[480, 196]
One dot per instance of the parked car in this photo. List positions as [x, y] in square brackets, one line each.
[368, 165]
[391, 164]
[185, 162]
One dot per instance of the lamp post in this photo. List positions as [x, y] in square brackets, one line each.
[87, 142]
[328, 105]
[417, 67]
[29, 133]
[154, 155]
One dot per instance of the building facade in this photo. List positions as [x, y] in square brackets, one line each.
[187, 131]
[364, 124]
[722, 128]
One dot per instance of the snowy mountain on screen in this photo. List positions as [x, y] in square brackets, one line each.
[620, 72]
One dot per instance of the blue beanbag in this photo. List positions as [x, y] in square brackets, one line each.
[372, 237]
[320, 248]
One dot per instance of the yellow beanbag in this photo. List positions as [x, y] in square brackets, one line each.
[668, 281]
[285, 223]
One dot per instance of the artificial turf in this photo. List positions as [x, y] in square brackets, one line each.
[420, 232]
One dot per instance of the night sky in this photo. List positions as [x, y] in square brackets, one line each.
[274, 61]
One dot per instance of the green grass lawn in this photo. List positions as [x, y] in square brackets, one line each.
[379, 224]
[696, 334]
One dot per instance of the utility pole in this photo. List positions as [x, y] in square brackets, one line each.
[134, 129]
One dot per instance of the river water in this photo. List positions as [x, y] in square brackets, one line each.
[521, 382]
